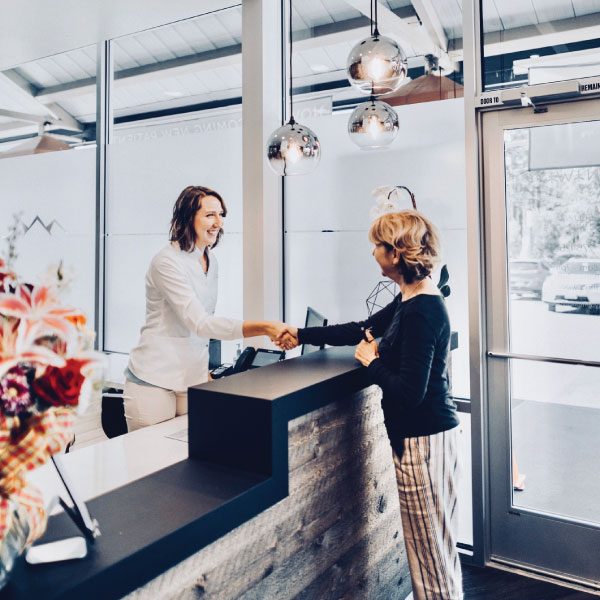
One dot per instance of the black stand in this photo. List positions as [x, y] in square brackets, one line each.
[69, 548]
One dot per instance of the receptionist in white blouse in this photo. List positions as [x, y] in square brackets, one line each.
[181, 294]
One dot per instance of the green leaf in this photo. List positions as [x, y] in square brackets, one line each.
[444, 277]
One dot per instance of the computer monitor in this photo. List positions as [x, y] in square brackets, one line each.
[313, 319]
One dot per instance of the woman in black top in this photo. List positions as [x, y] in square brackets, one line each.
[410, 366]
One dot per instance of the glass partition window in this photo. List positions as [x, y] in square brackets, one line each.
[48, 171]
[153, 156]
[538, 42]
[328, 261]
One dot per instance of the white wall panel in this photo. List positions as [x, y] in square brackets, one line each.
[149, 166]
[427, 156]
[332, 272]
[57, 188]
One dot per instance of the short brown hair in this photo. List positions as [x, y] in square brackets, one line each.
[414, 237]
[187, 205]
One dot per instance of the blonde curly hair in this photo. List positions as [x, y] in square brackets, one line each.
[414, 238]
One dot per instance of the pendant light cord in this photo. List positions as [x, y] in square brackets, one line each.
[374, 32]
[291, 77]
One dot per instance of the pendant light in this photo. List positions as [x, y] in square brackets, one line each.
[373, 124]
[377, 64]
[293, 149]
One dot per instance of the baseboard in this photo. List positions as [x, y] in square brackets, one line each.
[547, 577]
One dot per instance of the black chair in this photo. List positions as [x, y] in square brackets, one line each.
[113, 413]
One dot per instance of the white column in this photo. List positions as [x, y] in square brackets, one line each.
[261, 114]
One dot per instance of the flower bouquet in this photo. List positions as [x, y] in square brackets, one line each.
[45, 358]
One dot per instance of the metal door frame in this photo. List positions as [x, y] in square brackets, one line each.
[517, 536]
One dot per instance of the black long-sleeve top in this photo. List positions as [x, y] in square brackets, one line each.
[412, 365]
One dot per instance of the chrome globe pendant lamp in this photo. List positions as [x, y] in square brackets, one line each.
[373, 124]
[376, 65]
[293, 149]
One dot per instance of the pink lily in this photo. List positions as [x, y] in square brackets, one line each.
[39, 310]
[17, 347]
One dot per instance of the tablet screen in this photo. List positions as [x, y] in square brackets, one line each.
[265, 357]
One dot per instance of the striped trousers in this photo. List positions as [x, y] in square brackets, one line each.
[426, 474]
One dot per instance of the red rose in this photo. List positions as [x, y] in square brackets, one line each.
[61, 386]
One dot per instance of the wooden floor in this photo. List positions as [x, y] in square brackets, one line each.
[495, 584]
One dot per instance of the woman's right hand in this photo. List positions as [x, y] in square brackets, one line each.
[283, 335]
[287, 337]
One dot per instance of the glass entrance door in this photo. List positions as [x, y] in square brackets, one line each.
[542, 291]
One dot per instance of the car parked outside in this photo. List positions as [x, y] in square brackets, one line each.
[575, 283]
[526, 277]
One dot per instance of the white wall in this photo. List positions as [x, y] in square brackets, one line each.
[60, 189]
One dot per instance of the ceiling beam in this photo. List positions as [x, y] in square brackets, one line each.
[54, 93]
[51, 116]
[12, 125]
[64, 120]
[580, 58]
[19, 81]
[431, 22]
[350, 30]
[13, 114]
[534, 37]
[555, 33]
[18, 93]
[213, 59]
[412, 35]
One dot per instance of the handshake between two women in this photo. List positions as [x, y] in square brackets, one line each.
[285, 337]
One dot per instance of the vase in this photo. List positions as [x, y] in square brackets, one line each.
[14, 541]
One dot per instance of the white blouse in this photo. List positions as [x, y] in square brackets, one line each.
[180, 302]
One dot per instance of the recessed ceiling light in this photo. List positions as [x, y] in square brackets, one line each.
[319, 68]
[173, 93]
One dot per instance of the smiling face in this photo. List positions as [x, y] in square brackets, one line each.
[208, 221]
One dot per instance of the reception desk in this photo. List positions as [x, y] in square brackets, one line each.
[286, 490]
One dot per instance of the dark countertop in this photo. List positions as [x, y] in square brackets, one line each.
[237, 467]
[284, 379]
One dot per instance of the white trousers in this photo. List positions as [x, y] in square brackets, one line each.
[147, 405]
[426, 475]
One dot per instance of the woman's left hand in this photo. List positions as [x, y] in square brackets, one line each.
[367, 351]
